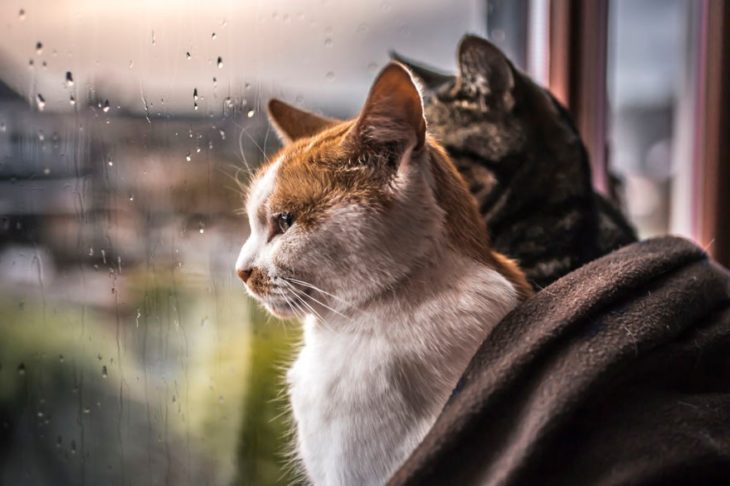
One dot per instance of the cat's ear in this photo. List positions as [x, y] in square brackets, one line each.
[484, 69]
[430, 78]
[393, 111]
[292, 123]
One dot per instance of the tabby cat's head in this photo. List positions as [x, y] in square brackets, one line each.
[489, 114]
[347, 208]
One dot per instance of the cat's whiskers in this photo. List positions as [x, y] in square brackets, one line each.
[314, 287]
[299, 296]
[301, 292]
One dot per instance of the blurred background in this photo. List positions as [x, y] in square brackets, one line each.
[129, 353]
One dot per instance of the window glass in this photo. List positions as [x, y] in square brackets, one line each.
[648, 56]
[129, 352]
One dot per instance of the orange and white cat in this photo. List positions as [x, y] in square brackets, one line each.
[365, 229]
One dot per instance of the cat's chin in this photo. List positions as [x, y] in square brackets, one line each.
[281, 311]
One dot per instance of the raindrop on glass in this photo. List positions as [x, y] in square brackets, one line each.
[212, 36]
[330, 75]
[21, 369]
[106, 107]
[188, 157]
[222, 134]
[110, 163]
[39, 48]
[328, 42]
[21, 14]
[187, 55]
[72, 100]
[69, 79]
[60, 358]
[104, 373]
[41, 102]
[251, 113]
[220, 62]
[73, 447]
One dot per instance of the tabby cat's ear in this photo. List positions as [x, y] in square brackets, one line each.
[292, 123]
[484, 69]
[393, 111]
[430, 78]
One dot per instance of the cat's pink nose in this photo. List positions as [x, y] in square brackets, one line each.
[244, 274]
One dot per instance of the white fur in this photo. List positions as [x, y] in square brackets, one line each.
[399, 315]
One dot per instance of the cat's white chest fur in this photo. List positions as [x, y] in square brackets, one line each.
[365, 390]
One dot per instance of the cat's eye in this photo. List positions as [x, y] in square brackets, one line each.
[283, 222]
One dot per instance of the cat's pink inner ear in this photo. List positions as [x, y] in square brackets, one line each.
[393, 111]
[292, 123]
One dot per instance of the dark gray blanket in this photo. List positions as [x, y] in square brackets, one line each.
[618, 373]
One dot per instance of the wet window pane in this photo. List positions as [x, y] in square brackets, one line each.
[129, 352]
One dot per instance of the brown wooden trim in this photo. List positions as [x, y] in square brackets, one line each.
[713, 144]
[578, 58]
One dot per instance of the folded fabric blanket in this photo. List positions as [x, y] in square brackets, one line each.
[618, 373]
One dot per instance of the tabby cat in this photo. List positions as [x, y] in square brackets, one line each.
[523, 160]
[366, 231]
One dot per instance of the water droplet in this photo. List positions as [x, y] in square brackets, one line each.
[98, 356]
[87, 410]
[21, 14]
[46, 171]
[106, 107]
[104, 373]
[59, 441]
[212, 36]
[188, 158]
[73, 447]
[197, 150]
[110, 163]
[202, 230]
[246, 86]
[39, 414]
[220, 62]
[195, 94]
[21, 369]
[187, 55]
[41, 102]
[330, 75]
[39, 48]
[222, 133]
[60, 358]
[131, 64]
[131, 197]
[154, 41]
[3, 127]
[251, 113]
[69, 79]
[328, 42]
[72, 100]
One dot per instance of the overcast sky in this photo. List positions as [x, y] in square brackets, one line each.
[320, 52]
